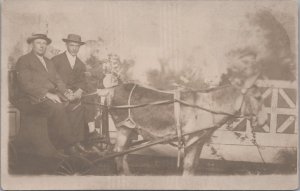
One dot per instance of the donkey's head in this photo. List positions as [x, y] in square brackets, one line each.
[244, 71]
[250, 103]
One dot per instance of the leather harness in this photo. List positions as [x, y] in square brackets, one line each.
[130, 123]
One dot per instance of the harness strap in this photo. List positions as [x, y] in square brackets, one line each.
[178, 126]
[165, 102]
[129, 101]
[129, 122]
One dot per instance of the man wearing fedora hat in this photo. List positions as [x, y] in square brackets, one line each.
[70, 67]
[42, 94]
[72, 71]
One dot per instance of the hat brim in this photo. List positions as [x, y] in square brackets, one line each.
[79, 42]
[31, 39]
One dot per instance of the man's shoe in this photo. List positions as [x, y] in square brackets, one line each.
[96, 150]
[73, 151]
[81, 149]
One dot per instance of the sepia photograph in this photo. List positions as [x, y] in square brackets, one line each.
[156, 94]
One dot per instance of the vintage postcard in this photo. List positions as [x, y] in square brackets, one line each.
[156, 94]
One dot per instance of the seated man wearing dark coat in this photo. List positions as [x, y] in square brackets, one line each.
[44, 95]
[72, 71]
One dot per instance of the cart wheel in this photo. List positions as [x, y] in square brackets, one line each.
[74, 166]
[12, 156]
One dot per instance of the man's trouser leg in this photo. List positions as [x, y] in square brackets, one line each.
[37, 121]
[33, 136]
[59, 125]
[76, 120]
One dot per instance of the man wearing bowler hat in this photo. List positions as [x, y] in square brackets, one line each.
[42, 94]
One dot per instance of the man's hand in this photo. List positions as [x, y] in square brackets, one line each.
[53, 97]
[69, 95]
[78, 93]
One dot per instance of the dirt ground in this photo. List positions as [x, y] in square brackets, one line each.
[141, 166]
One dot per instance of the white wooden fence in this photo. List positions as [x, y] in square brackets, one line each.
[278, 136]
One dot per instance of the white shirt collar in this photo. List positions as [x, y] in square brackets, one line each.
[41, 58]
[71, 59]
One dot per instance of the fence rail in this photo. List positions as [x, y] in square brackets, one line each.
[281, 105]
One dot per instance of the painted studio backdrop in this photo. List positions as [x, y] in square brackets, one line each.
[188, 43]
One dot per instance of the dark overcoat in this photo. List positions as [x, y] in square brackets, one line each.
[73, 78]
[34, 81]
[41, 119]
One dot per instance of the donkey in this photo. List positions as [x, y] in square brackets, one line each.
[157, 121]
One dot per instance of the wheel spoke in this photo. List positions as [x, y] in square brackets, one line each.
[70, 167]
[63, 167]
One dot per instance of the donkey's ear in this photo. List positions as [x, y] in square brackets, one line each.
[250, 81]
[243, 82]
[237, 82]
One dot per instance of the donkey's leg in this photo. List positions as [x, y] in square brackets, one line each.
[191, 159]
[122, 142]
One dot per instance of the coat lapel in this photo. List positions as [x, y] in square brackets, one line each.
[39, 63]
[49, 67]
[76, 65]
[67, 61]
